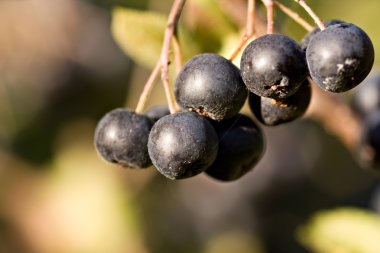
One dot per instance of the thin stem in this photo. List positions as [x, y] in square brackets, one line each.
[148, 88]
[295, 16]
[249, 29]
[177, 54]
[270, 18]
[250, 26]
[174, 16]
[312, 14]
[243, 42]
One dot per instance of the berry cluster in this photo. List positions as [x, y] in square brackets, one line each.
[209, 134]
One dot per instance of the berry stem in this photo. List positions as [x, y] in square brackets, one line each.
[177, 54]
[270, 18]
[250, 26]
[171, 27]
[336, 116]
[148, 88]
[312, 14]
[249, 29]
[295, 16]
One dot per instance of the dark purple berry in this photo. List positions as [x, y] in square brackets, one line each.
[182, 145]
[211, 86]
[369, 149]
[156, 112]
[340, 57]
[366, 97]
[273, 112]
[241, 146]
[305, 41]
[122, 136]
[273, 66]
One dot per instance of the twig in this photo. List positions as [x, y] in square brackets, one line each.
[270, 19]
[312, 14]
[174, 16]
[148, 88]
[163, 63]
[177, 54]
[249, 29]
[295, 16]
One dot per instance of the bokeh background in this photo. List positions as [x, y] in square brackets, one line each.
[63, 66]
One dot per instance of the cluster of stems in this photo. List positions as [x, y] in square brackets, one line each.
[320, 113]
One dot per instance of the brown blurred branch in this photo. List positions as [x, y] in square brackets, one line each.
[336, 116]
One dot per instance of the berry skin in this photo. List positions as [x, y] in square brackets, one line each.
[369, 149]
[340, 57]
[211, 86]
[121, 137]
[182, 145]
[273, 66]
[241, 146]
[366, 97]
[306, 40]
[272, 112]
[156, 112]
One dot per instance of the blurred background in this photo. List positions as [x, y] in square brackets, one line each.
[65, 63]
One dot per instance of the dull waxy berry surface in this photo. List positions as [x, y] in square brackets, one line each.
[121, 137]
[273, 66]
[306, 40]
[182, 145]
[369, 149]
[273, 112]
[210, 85]
[366, 97]
[340, 57]
[156, 112]
[241, 146]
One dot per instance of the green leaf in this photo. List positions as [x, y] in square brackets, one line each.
[343, 230]
[139, 34]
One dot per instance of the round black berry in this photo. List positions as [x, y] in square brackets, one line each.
[340, 57]
[121, 137]
[306, 40]
[273, 112]
[211, 86]
[241, 145]
[156, 112]
[182, 145]
[273, 66]
[369, 149]
[366, 97]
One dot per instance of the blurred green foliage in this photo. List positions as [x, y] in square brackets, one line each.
[65, 63]
[345, 230]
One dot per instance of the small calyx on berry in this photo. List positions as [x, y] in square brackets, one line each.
[273, 66]
[340, 57]
[273, 112]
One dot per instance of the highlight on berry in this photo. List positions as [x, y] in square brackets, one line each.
[204, 126]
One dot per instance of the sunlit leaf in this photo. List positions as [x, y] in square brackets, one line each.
[139, 34]
[343, 230]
